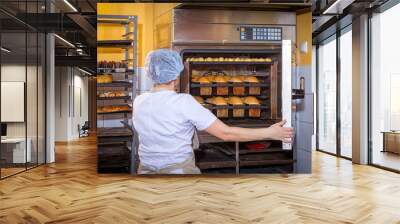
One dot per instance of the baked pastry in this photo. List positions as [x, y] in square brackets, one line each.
[104, 78]
[121, 108]
[220, 101]
[199, 99]
[224, 90]
[237, 110]
[100, 110]
[237, 90]
[204, 91]
[221, 59]
[241, 77]
[267, 59]
[120, 93]
[254, 103]
[195, 78]
[105, 109]
[211, 78]
[253, 90]
[113, 94]
[108, 109]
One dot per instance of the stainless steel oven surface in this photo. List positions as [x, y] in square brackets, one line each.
[241, 70]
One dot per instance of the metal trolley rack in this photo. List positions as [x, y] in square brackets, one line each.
[115, 135]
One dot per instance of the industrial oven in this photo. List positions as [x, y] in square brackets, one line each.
[240, 65]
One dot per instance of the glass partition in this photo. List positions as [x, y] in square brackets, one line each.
[22, 77]
[327, 96]
[41, 97]
[385, 89]
[14, 153]
[346, 93]
[32, 98]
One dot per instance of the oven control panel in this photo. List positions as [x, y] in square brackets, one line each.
[256, 33]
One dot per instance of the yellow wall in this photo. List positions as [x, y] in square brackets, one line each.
[163, 14]
[304, 33]
[154, 28]
[111, 31]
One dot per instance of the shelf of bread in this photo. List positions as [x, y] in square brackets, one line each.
[115, 70]
[114, 109]
[229, 85]
[107, 80]
[113, 95]
[225, 85]
[125, 84]
[113, 67]
[228, 60]
[114, 98]
[234, 106]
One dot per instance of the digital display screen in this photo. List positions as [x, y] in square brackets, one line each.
[249, 33]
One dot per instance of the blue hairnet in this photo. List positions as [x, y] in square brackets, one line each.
[163, 65]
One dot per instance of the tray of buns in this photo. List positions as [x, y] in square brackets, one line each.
[228, 60]
[114, 98]
[234, 106]
[113, 95]
[114, 109]
[229, 84]
[126, 84]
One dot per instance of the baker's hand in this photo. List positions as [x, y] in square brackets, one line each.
[278, 132]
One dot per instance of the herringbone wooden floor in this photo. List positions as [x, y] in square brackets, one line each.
[70, 191]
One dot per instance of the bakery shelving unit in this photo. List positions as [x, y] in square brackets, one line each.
[115, 135]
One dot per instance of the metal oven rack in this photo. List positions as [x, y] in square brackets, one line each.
[116, 151]
[215, 154]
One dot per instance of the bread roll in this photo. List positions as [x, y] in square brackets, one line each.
[253, 90]
[199, 99]
[204, 91]
[236, 101]
[220, 101]
[104, 78]
[253, 112]
[221, 91]
[237, 90]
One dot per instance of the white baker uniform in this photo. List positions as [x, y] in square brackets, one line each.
[165, 122]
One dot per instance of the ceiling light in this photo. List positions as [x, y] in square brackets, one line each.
[86, 72]
[70, 5]
[65, 41]
[5, 50]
